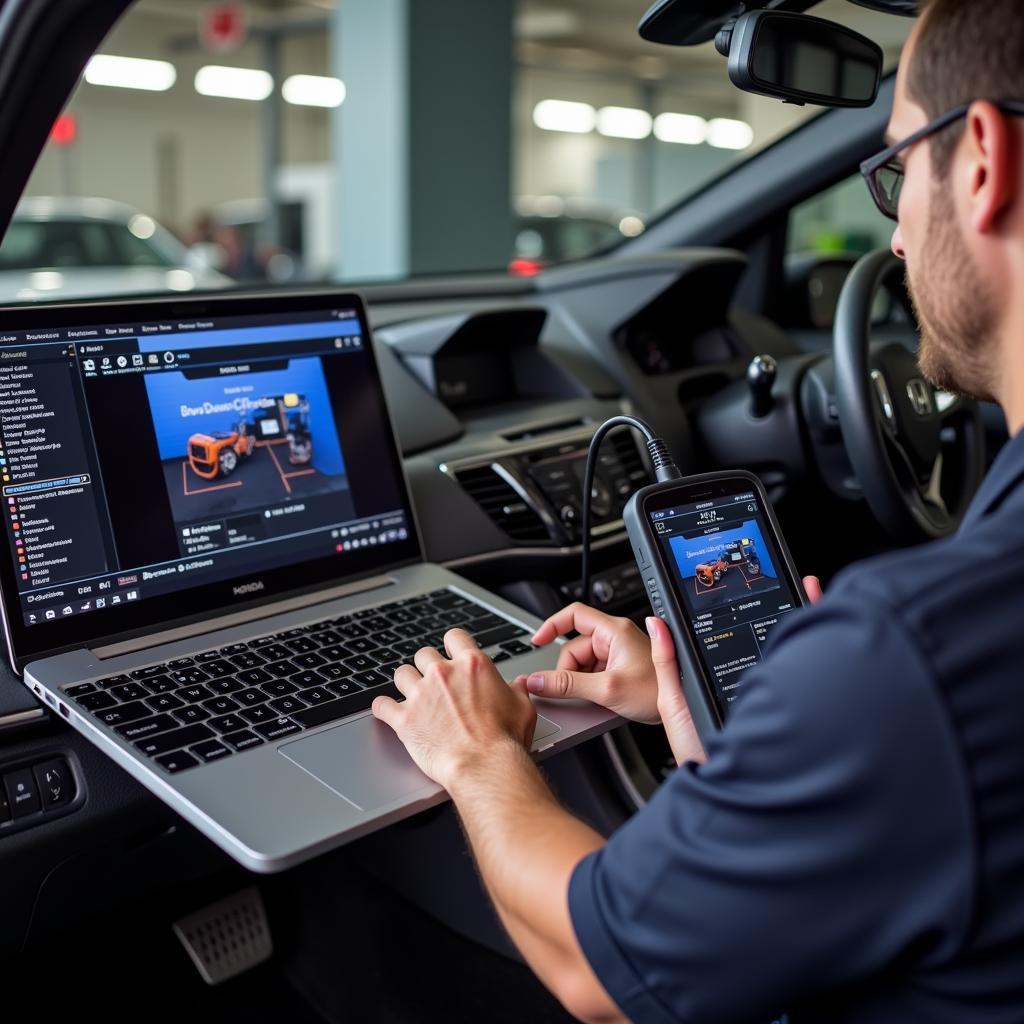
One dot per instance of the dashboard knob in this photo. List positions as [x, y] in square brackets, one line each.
[761, 374]
[568, 515]
[603, 591]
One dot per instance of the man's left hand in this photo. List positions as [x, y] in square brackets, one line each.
[455, 711]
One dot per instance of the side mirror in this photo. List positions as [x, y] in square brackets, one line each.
[800, 59]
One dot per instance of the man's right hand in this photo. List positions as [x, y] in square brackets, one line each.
[609, 663]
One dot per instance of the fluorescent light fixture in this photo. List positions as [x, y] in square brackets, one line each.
[313, 91]
[725, 133]
[686, 129]
[564, 116]
[233, 83]
[130, 73]
[624, 122]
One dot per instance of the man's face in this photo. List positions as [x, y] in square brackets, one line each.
[956, 312]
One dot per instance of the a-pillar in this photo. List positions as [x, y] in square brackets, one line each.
[422, 143]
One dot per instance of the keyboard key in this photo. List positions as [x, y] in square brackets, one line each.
[360, 645]
[123, 713]
[317, 695]
[225, 685]
[227, 723]
[234, 649]
[407, 648]
[243, 739]
[500, 657]
[181, 663]
[342, 688]
[191, 713]
[279, 689]
[164, 702]
[147, 727]
[190, 676]
[334, 671]
[369, 679]
[221, 705]
[109, 681]
[309, 660]
[344, 706]
[160, 684]
[335, 652]
[177, 762]
[325, 637]
[248, 660]
[514, 647]
[360, 663]
[307, 678]
[300, 645]
[279, 727]
[254, 676]
[495, 636]
[450, 600]
[280, 669]
[262, 713]
[275, 652]
[286, 705]
[251, 697]
[210, 750]
[194, 694]
[130, 691]
[386, 638]
[377, 624]
[148, 673]
[165, 742]
[96, 701]
[81, 688]
[219, 669]
[486, 620]
[207, 656]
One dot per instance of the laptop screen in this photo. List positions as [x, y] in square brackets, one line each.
[160, 460]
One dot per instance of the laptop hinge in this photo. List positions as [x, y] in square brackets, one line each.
[292, 604]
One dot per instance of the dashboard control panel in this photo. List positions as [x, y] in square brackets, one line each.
[32, 791]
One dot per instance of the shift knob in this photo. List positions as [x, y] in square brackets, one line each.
[761, 379]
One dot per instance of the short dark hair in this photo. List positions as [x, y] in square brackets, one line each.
[967, 50]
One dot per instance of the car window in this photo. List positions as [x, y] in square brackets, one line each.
[841, 219]
[284, 141]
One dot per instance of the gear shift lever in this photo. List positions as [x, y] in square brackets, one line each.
[761, 375]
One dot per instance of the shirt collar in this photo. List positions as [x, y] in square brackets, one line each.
[1003, 476]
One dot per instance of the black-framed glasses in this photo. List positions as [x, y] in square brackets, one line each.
[884, 174]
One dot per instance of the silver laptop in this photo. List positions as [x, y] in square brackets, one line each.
[215, 566]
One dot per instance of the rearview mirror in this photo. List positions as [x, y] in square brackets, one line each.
[800, 59]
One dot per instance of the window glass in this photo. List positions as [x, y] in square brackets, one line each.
[284, 141]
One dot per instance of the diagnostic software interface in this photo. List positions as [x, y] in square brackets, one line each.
[139, 459]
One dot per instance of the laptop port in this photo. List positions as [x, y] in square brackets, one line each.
[63, 708]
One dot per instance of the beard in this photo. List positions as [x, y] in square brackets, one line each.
[955, 309]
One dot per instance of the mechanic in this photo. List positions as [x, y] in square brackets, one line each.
[852, 846]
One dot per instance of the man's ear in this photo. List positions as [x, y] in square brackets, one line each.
[990, 154]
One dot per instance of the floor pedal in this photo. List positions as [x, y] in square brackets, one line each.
[228, 937]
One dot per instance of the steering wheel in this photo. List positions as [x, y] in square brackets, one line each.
[917, 452]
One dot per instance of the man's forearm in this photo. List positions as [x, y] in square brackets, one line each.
[526, 846]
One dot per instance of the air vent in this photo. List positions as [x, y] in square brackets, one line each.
[629, 455]
[509, 512]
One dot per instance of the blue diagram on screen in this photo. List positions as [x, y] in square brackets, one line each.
[248, 440]
[721, 568]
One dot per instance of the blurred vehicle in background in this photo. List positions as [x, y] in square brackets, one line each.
[79, 247]
[552, 230]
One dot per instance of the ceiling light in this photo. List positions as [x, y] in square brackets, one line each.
[624, 122]
[546, 24]
[233, 83]
[564, 116]
[130, 73]
[725, 133]
[631, 226]
[142, 226]
[687, 129]
[313, 91]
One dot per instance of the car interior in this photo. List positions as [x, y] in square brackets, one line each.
[745, 305]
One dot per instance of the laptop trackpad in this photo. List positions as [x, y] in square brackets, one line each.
[365, 762]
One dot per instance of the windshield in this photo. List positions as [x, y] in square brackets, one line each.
[285, 141]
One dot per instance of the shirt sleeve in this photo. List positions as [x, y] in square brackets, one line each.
[828, 835]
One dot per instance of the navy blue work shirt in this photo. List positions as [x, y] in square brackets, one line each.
[853, 849]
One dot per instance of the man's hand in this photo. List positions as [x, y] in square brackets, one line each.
[456, 712]
[609, 663]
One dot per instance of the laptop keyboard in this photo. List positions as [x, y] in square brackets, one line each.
[191, 711]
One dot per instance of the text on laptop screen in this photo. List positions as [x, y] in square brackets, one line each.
[142, 459]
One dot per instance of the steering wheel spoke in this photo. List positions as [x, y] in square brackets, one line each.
[917, 451]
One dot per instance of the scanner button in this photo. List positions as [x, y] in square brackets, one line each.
[22, 792]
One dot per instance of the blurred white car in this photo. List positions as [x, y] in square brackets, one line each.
[81, 247]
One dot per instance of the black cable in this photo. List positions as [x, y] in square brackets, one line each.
[664, 469]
